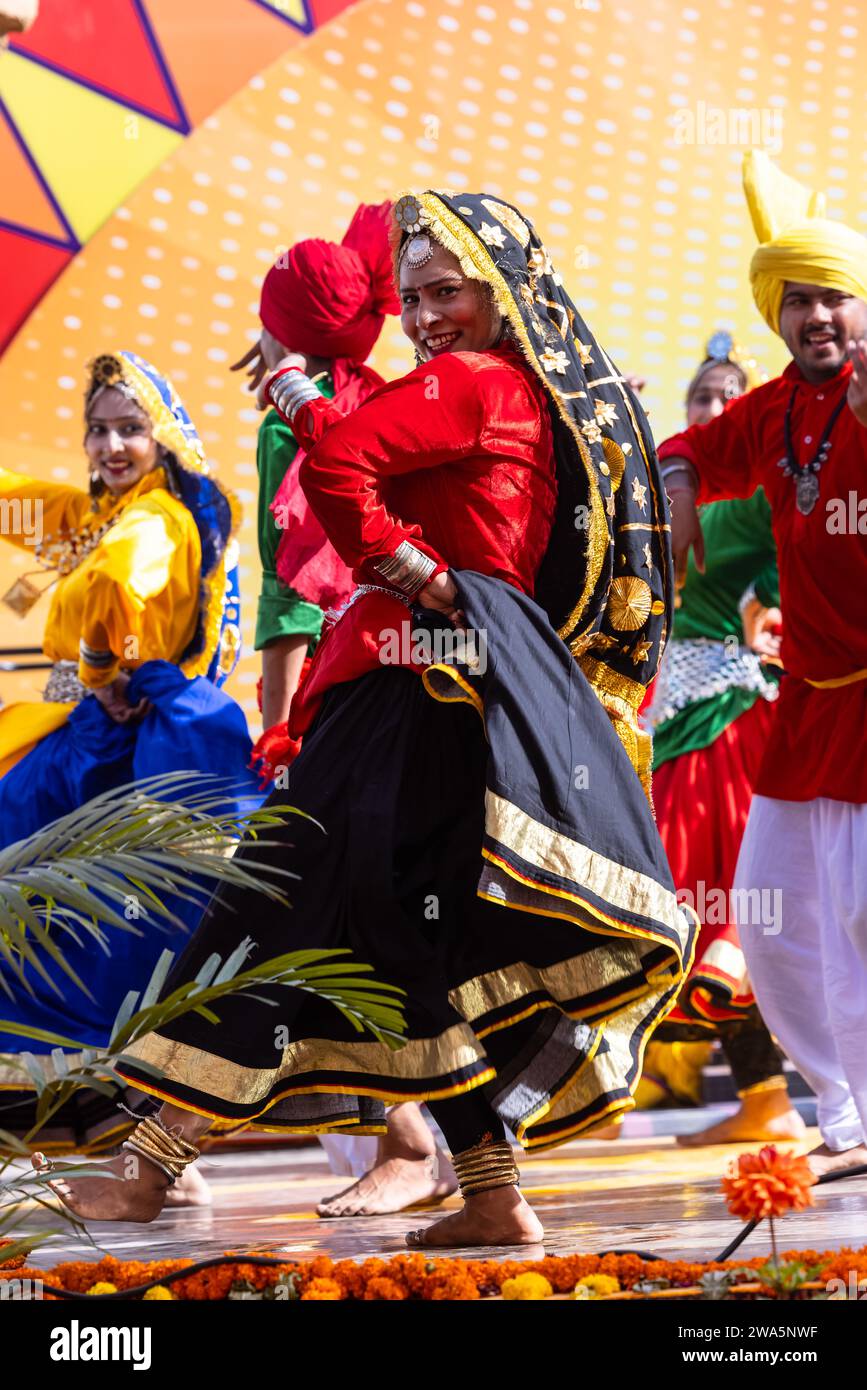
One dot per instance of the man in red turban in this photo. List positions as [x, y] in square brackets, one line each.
[327, 302]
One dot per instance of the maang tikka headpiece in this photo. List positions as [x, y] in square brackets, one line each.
[411, 219]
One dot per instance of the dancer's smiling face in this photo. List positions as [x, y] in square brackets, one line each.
[714, 389]
[817, 325]
[443, 310]
[119, 441]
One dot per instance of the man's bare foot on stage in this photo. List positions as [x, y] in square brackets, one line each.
[763, 1117]
[118, 1198]
[409, 1169]
[189, 1190]
[499, 1217]
[824, 1160]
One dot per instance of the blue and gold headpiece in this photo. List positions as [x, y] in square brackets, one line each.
[216, 645]
[606, 580]
[721, 348]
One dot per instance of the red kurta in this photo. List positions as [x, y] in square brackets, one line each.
[455, 458]
[817, 746]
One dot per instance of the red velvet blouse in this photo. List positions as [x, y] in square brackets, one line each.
[455, 458]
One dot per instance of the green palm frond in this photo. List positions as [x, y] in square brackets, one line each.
[73, 878]
[112, 862]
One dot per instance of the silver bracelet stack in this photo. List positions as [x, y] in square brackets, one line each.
[408, 569]
[290, 392]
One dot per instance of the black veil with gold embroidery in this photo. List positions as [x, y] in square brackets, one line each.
[606, 581]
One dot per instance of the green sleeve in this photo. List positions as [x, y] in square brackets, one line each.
[275, 453]
[767, 580]
[281, 612]
[767, 585]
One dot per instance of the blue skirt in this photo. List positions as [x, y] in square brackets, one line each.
[192, 726]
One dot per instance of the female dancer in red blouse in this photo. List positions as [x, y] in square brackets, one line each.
[505, 874]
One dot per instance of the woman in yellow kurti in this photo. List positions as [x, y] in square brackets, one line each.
[142, 630]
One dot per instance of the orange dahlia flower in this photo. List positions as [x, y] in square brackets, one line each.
[768, 1183]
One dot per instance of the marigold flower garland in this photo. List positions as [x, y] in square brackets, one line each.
[762, 1185]
[415, 1276]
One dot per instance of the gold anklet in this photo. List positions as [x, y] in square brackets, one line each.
[160, 1146]
[485, 1167]
[771, 1083]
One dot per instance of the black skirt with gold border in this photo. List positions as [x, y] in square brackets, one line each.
[487, 846]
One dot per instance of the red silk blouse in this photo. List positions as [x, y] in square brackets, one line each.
[456, 458]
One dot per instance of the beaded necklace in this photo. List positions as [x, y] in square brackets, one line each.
[807, 477]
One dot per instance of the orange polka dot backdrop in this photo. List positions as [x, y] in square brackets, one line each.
[617, 125]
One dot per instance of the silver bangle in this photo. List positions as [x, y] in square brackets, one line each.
[748, 597]
[408, 569]
[681, 466]
[93, 656]
[291, 392]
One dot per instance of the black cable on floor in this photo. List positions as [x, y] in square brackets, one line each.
[859, 1172]
[263, 1260]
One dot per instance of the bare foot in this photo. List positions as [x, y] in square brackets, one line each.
[609, 1131]
[762, 1117]
[112, 1198]
[393, 1185]
[190, 1190]
[824, 1160]
[499, 1217]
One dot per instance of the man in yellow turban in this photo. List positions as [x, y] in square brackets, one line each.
[800, 893]
[797, 243]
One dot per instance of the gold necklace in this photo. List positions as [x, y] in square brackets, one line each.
[60, 553]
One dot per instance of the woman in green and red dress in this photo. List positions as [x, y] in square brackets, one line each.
[712, 709]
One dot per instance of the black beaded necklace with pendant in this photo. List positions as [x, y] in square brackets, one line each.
[807, 477]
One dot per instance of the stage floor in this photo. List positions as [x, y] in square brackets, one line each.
[641, 1193]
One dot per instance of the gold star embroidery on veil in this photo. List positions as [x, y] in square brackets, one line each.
[591, 431]
[639, 493]
[606, 413]
[648, 559]
[641, 651]
[554, 361]
[540, 262]
[584, 353]
[492, 236]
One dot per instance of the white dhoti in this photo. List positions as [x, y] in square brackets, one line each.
[801, 905]
[350, 1156]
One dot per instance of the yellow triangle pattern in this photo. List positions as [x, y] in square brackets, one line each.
[292, 9]
[93, 151]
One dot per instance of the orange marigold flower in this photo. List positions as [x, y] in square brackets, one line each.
[457, 1286]
[389, 1290]
[768, 1183]
[322, 1291]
